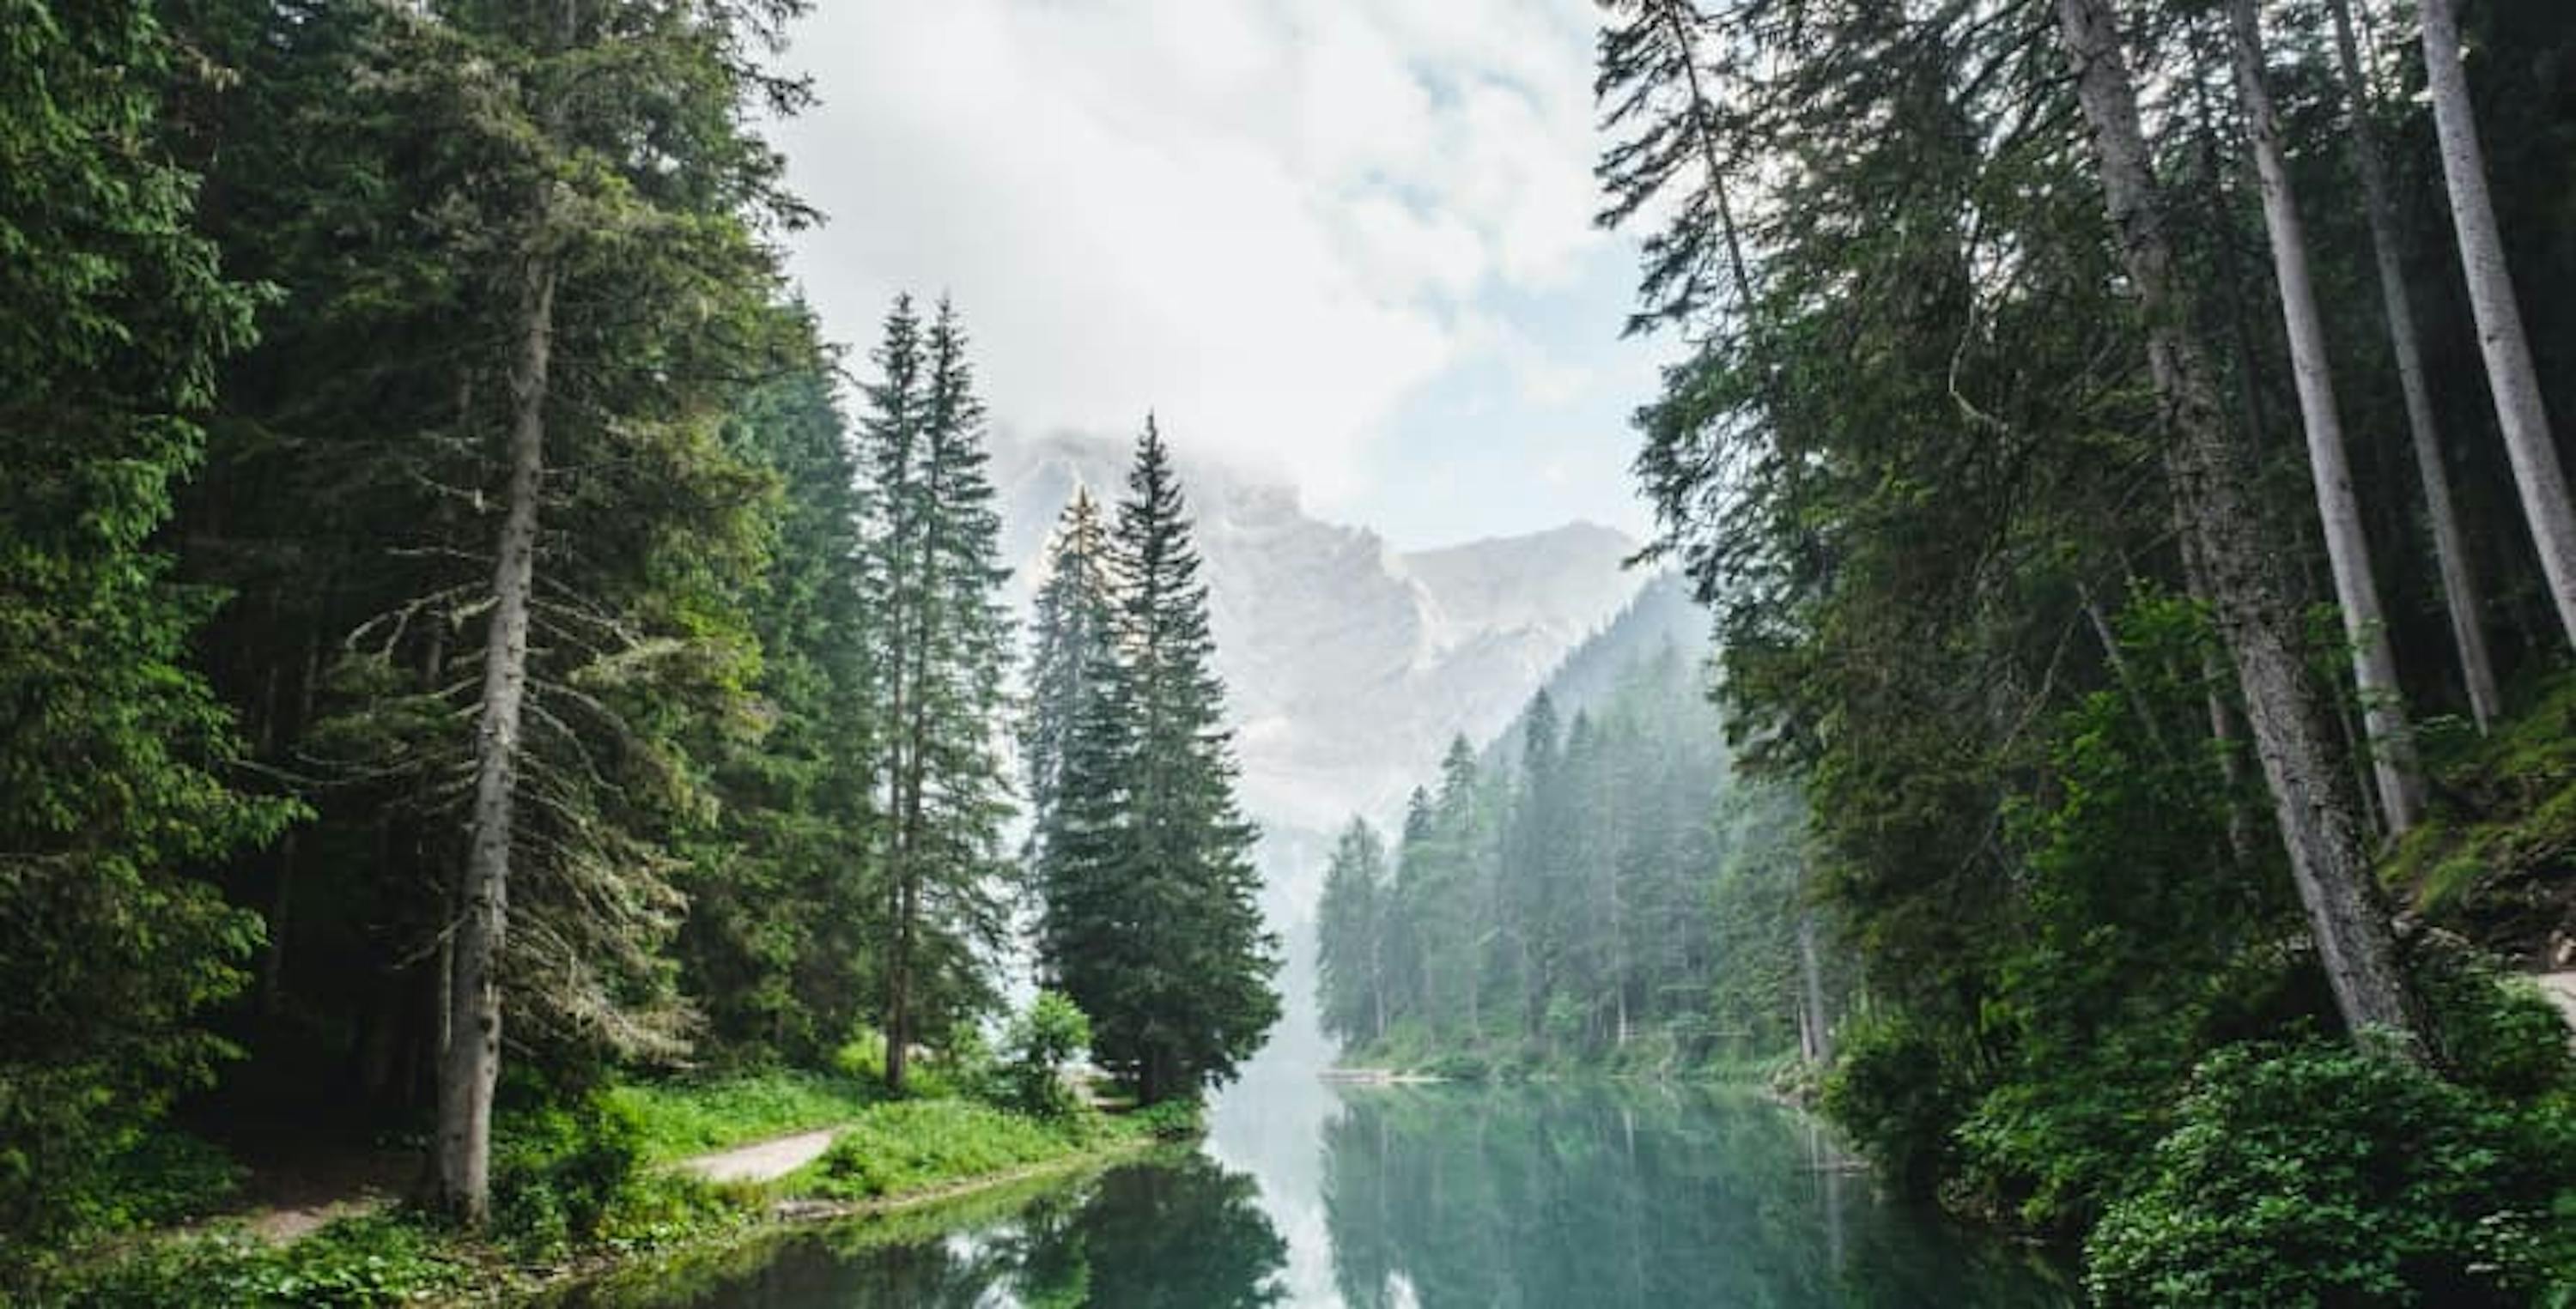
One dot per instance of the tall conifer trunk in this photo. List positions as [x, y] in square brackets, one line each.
[2460, 595]
[2511, 377]
[1812, 1019]
[2212, 492]
[2374, 661]
[472, 1062]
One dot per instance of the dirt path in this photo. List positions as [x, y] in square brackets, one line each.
[762, 1161]
[2561, 990]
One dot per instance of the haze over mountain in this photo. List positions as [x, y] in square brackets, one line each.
[1348, 664]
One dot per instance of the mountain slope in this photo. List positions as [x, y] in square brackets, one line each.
[1348, 665]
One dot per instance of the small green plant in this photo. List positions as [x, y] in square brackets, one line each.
[556, 1170]
[1172, 1120]
[1043, 1039]
[862, 1056]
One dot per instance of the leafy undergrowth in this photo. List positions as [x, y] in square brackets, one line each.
[575, 1187]
[679, 1119]
[366, 1261]
[920, 1145]
[2319, 1173]
[2493, 857]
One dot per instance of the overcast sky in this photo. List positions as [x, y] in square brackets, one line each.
[1348, 240]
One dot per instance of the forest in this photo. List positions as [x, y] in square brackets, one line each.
[494, 693]
[487, 680]
[2115, 440]
[1599, 888]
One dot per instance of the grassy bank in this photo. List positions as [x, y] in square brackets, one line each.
[678, 1119]
[580, 1191]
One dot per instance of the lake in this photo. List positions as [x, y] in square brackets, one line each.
[1308, 1196]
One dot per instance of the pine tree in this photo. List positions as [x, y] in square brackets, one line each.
[778, 946]
[610, 295]
[936, 566]
[2356, 584]
[1072, 632]
[2512, 378]
[1350, 930]
[1151, 921]
[113, 316]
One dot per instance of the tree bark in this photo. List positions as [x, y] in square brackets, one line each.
[2374, 663]
[472, 1063]
[2460, 596]
[2211, 486]
[2511, 377]
[1811, 991]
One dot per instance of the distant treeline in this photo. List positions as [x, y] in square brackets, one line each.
[1599, 889]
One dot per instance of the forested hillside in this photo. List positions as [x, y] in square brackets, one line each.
[2121, 441]
[471, 643]
[1599, 887]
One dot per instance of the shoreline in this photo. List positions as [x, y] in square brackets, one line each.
[781, 1216]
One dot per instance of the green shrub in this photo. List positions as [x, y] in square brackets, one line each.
[556, 1170]
[2497, 1032]
[862, 1056]
[1892, 1090]
[1043, 1038]
[2325, 1174]
[1172, 1120]
[2053, 1149]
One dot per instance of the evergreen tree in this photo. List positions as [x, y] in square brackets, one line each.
[1072, 635]
[935, 565]
[1350, 931]
[113, 316]
[1151, 921]
[779, 942]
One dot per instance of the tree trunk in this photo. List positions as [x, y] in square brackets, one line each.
[1811, 991]
[473, 1059]
[2510, 374]
[2374, 662]
[2450, 549]
[2211, 486]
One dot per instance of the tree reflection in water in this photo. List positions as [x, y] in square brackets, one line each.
[1564, 1195]
[1174, 1233]
[1530, 1197]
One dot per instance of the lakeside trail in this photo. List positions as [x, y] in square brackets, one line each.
[2561, 990]
[287, 1202]
[761, 1161]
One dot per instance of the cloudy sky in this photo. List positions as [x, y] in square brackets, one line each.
[1346, 240]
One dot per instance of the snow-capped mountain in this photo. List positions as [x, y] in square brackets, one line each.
[1348, 664]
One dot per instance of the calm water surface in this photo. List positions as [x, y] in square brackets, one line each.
[1308, 1197]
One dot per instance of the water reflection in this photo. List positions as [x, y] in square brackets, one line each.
[1414, 1199]
[1176, 1232]
[1591, 1196]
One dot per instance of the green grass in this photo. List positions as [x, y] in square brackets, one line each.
[681, 1119]
[2503, 826]
[916, 1145]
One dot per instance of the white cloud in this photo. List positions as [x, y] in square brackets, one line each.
[1273, 220]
